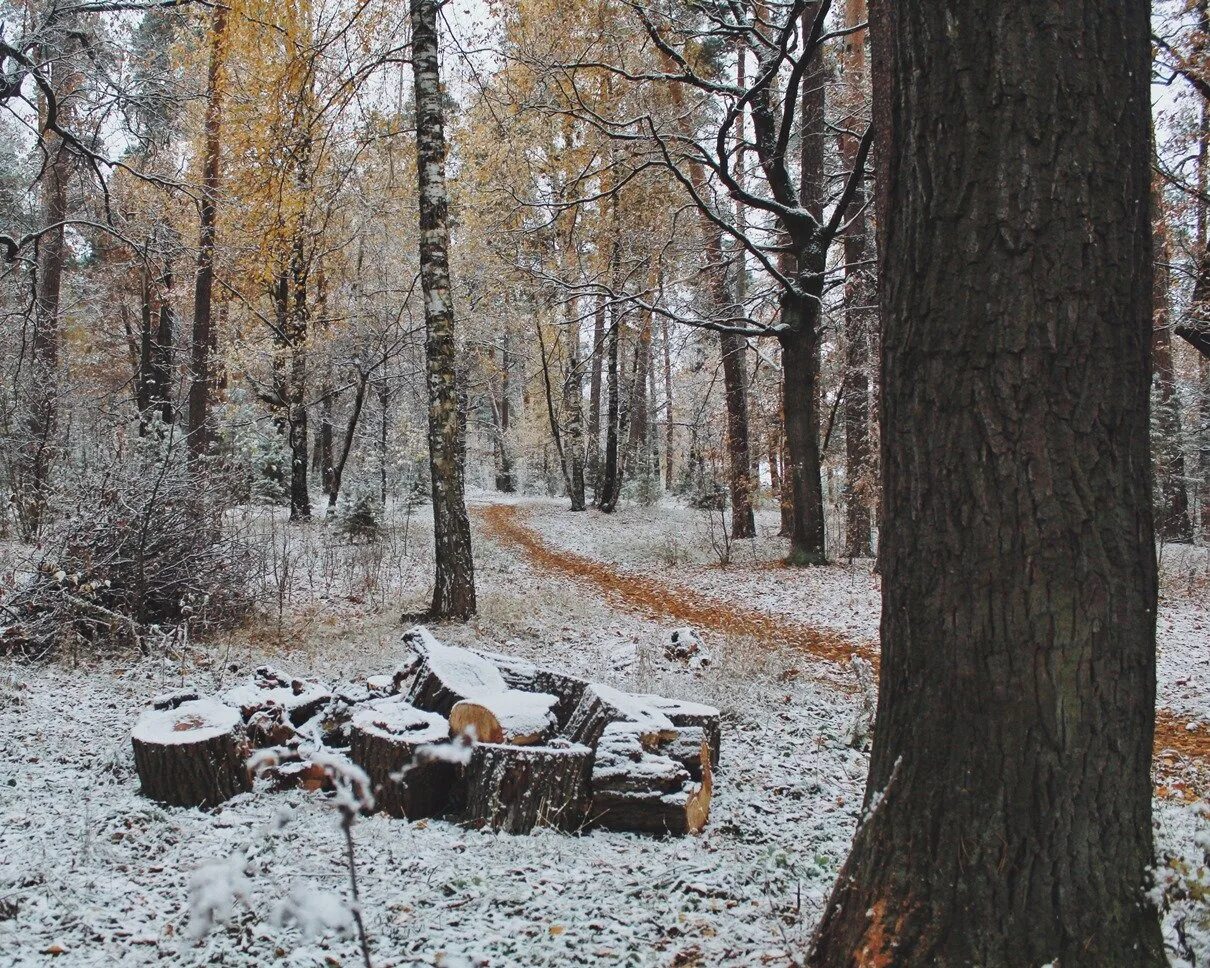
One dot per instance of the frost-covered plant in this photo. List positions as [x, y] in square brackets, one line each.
[140, 549]
[360, 516]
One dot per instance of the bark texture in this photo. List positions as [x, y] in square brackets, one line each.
[1009, 796]
[454, 583]
[201, 383]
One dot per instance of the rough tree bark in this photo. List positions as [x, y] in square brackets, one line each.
[1172, 507]
[573, 404]
[43, 386]
[594, 399]
[860, 317]
[201, 379]
[1009, 798]
[454, 584]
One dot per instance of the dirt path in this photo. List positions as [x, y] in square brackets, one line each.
[1175, 740]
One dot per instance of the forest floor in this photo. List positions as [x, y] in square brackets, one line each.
[93, 874]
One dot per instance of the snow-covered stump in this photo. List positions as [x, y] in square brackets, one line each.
[527, 677]
[511, 717]
[387, 739]
[190, 755]
[517, 788]
[446, 675]
[601, 705]
[301, 698]
[643, 792]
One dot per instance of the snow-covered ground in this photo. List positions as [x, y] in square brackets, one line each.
[95, 873]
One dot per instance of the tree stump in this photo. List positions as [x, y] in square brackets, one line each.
[683, 713]
[517, 788]
[527, 677]
[190, 755]
[511, 717]
[447, 674]
[385, 740]
[601, 705]
[643, 792]
[301, 698]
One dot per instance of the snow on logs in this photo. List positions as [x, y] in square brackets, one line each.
[517, 788]
[189, 755]
[648, 792]
[488, 740]
[392, 741]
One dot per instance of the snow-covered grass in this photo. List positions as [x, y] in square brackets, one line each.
[91, 869]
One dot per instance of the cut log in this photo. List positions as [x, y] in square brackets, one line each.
[511, 717]
[270, 726]
[447, 674]
[190, 755]
[691, 749]
[643, 792]
[601, 705]
[684, 713]
[301, 698]
[170, 700]
[517, 788]
[527, 677]
[388, 739]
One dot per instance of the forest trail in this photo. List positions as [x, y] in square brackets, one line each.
[660, 601]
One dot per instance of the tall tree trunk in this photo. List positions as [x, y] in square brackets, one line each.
[611, 473]
[573, 405]
[801, 479]
[163, 347]
[669, 411]
[860, 317]
[201, 379]
[296, 404]
[504, 466]
[638, 441]
[594, 400]
[800, 343]
[1172, 511]
[735, 389]
[42, 407]
[454, 584]
[1008, 806]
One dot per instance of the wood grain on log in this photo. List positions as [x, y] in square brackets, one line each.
[190, 755]
[512, 717]
[517, 788]
[386, 737]
[644, 792]
[601, 705]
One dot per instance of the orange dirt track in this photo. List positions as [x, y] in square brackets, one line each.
[654, 599]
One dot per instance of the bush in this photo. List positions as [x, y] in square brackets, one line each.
[143, 546]
[360, 516]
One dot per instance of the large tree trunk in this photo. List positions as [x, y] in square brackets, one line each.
[1172, 510]
[573, 404]
[860, 318]
[611, 473]
[454, 584]
[504, 459]
[43, 385]
[296, 404]
[201, 379]
[1009, 797]
[800, 403]
[735, 387]
[669, 412]
[594, 400]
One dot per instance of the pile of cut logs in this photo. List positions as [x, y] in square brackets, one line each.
[484, 739]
